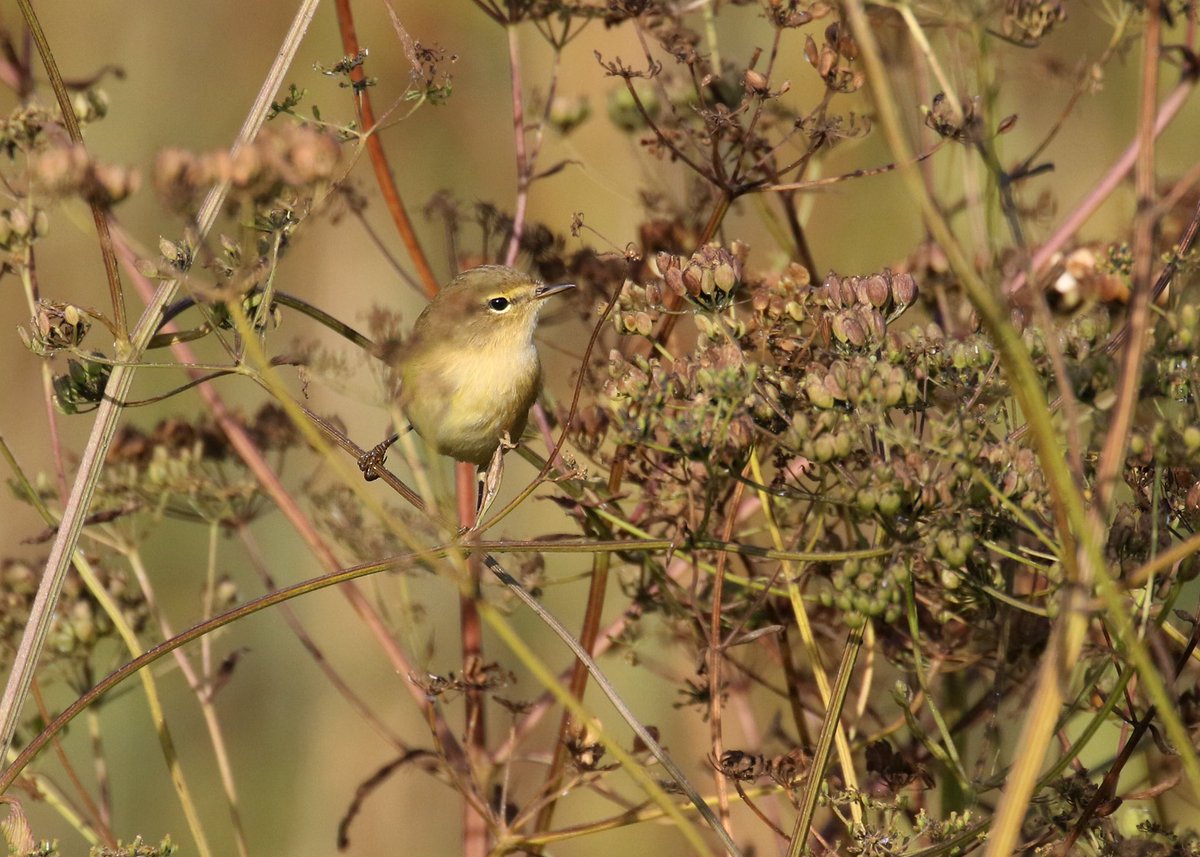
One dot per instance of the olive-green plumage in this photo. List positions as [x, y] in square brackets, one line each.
[470, 369]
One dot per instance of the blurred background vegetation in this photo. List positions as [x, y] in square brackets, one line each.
[181, 76]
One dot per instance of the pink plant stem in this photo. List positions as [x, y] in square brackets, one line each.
[475, 828]
[1041, 257]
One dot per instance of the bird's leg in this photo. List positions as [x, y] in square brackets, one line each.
[368, 461]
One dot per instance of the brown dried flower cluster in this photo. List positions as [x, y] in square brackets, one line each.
[55, 327]
[63, 171]
[288, 156]
[189, 469]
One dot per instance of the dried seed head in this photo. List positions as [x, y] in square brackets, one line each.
[855, 333]
[876, 291]
[755, 82]
[55, 327]
[904, 289]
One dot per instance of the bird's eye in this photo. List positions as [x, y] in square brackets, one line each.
[499, 304]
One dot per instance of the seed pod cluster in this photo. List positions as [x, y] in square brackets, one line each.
[834, 60]
[1015, 471]
[708, 278]
[859, 381]
[962, 123]
[80, 625]
[20, 227]
[953, 545]
[63, 171]
[638, 308]
[187, 466]
[291, 157]
[55, 327]
[862, 306]
[697, 407]
[867, 588]
[784, 296]
[1027, 22]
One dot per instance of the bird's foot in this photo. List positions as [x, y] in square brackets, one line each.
[375, 457]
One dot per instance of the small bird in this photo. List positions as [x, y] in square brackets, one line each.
[470, 370]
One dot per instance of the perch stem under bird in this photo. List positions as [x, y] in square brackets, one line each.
[470, 370]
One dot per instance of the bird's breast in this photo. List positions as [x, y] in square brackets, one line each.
[464, 404]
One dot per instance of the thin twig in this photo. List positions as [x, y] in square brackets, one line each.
[99, 214]
[379, 162]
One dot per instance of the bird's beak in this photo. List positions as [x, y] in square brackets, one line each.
[545, 291]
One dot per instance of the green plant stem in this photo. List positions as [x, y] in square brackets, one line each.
[829, 728]
[84, 568]
[150, 686]
[951, 758]
[197, 631]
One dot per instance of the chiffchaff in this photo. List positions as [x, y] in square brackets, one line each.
[470, 370]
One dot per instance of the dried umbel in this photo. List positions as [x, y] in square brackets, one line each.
[31, 126]
[863, 306]
[188, 467]
[55, 327]
[292, 157]
[80, 623]
[961, 123]
[788, 14]
[709, 278]
[834, 59]
[868, 588]
[21, 227]
[1027, 22]
[64, 171]
[889, 293]
[638, 308]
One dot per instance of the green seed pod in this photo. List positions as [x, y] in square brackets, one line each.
[817, 393]
[889, 503]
